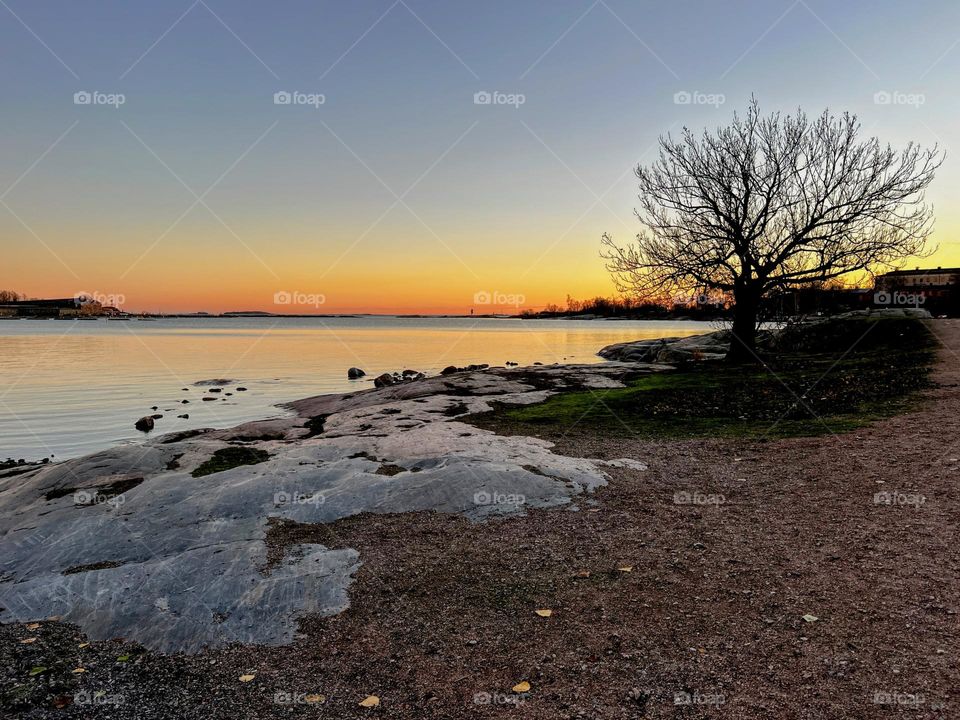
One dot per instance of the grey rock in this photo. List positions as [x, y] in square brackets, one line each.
[383, 380]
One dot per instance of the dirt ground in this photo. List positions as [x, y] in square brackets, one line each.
[731, 579]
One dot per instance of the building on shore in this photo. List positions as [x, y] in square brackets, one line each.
[61, 307]
[935, 289]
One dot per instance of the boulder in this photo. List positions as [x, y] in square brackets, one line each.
[383, 380]
[449, 370]
[353, 373]
[144, 424]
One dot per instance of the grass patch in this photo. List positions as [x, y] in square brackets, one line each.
[832, 377]
[231, 457]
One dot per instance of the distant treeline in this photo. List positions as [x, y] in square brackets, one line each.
[703, 306]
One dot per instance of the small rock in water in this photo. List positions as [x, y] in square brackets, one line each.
[241, 389]
[449, 370]
[209, 399]
[214, 390]
[156, 416]
[383, 380]
[185, 416]
[184, 402]
[353, 373]
[144, 424]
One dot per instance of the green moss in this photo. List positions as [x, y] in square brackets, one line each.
[231, 457]
[796, 392]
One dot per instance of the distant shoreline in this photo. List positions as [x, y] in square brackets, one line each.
[415, 316]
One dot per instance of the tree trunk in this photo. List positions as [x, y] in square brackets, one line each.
[745, 312]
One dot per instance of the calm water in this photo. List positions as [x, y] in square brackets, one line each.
[72, 387]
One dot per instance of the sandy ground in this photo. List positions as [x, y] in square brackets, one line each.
[660, 609]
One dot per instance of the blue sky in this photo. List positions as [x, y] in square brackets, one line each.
[506, 198]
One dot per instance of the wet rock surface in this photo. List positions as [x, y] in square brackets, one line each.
[132, 542]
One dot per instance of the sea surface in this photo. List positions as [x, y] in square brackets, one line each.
[70, 387]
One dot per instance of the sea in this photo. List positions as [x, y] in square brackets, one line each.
[72, 387]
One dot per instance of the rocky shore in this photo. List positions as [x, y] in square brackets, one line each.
[164, 543]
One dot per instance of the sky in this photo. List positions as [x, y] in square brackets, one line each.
[147, 158]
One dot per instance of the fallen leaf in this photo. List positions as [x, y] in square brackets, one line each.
[544, 613]
[314, 699]
[521, 687]
[583, 573]
[626, 568]
[82, 645]
[370, 701]
[810, 618]
[123, 658]
[33, 626]
[78, 670]
[37, 670]
[594, 510]
[246, 678]
[28, 641]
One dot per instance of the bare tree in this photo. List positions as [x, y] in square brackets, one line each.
[770, 203]
[7, 296]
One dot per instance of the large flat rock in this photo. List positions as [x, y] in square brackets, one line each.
[128, 543]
